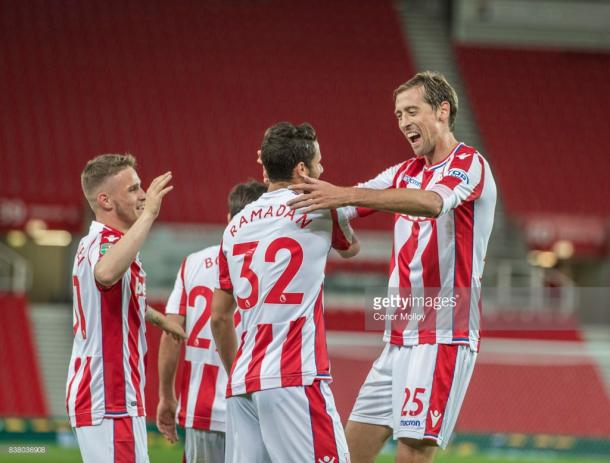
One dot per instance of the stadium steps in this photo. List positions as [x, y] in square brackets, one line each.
[598, 346]
[52, 326]
[426, 29]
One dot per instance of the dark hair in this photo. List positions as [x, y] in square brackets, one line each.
[436, 90]
[243, 194]
[284, 146]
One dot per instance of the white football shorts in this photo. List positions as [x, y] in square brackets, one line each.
[416, 390]
[204, 446]
[120, 440]
[297, 424]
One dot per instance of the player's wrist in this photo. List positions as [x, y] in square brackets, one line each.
[148, 215]
[167, 397]
[352, 196]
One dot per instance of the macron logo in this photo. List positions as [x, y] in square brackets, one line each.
[461, 157]
[112, 238]
[435, 415]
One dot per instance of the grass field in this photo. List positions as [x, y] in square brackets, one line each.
[55, 454]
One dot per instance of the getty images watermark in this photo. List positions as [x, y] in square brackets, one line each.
[492, 310]
[417, 308]
[401, 305]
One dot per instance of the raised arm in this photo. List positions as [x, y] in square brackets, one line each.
[114, 263]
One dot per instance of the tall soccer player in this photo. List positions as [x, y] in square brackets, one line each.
[444, 200]
[202, 405]
[105, 388]
[271, 263]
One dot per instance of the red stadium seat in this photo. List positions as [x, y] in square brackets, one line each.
[541, 116]
[21, 387]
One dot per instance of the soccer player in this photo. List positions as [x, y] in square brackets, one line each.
[271, 262]
[444, 200]
[105, 387]
[202, 405]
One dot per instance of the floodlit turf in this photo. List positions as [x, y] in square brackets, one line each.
[447, 457]
[55, 454]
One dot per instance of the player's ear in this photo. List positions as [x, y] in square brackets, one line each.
[300, 170]
[103, 201]
[228, 217]
[443, 111]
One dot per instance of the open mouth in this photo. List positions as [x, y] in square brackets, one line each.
[413, 137]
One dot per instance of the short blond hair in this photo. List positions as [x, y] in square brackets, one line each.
[436, 90]
[101, 167]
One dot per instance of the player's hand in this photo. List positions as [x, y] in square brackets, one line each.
[156, 191]
[317, 194]
[166, 419]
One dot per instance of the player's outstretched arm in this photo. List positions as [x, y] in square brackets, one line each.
[112, 265]
[318, 194]
[166, 323]
[223, 327]
[169, 353]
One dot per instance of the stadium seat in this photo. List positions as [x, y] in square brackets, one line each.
[21, 387]
[541, 114]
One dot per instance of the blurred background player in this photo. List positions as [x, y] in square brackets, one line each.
[202, 406]
[444, 199]
[105, 388]
[272, 263]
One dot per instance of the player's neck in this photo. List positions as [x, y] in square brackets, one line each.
[112, 222]
[446, 144]
[273, 186]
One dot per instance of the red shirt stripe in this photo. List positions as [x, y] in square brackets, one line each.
[224, 278]
[322, 363]
[205, 399]
[464, 234]
[112, 346]
[83, 397]
[291, 354]
[134, 322]
[182, 307]
[405, 257]
[264, 336]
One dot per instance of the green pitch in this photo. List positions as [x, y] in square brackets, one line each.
[55, 454]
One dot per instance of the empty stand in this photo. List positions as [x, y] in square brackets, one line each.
[21, 387]
[191, 86]
[542, 116]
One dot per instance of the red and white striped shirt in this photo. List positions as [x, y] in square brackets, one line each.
[439, 259]
[273, 260]
[106, 375]
[202, 403]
